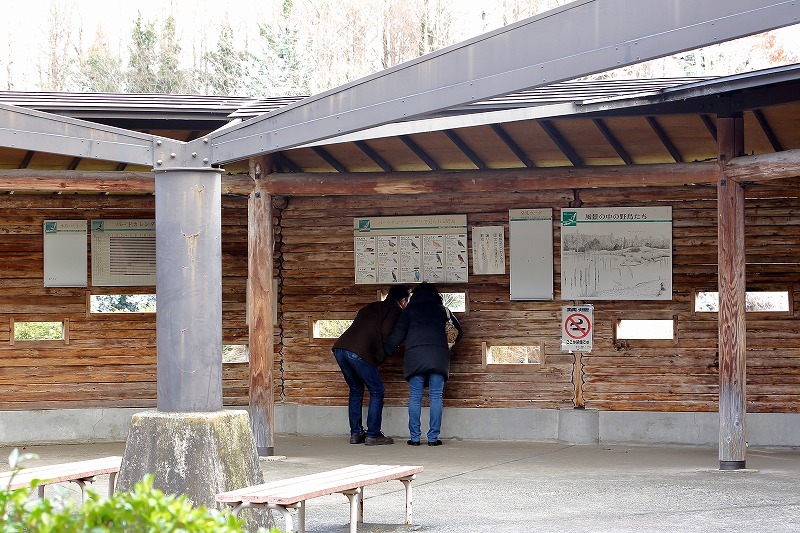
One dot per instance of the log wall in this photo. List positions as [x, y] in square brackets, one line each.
[681, 375]
[110, 359]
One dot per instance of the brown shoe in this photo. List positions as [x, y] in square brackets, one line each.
[358, 439]
[380, 439]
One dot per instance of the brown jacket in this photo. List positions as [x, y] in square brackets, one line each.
[373, 325]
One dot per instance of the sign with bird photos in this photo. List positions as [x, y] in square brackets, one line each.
[411, 249]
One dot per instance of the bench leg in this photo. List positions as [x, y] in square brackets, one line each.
[41, 491]
[355, 499]
[287, 516]
[407, 483]
[112, 483]
[82, 484]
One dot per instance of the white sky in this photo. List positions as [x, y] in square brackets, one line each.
[23, 31]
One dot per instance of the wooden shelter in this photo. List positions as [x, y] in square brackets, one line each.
[720, 152]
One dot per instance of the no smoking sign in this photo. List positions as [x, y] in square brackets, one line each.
[576, 328]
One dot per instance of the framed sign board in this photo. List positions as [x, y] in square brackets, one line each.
[531, 244]
[616, 253]
[411, 249]
[65, 259]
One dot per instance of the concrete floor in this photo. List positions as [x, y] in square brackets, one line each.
[530, 487]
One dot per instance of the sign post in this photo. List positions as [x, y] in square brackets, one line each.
[576, 328]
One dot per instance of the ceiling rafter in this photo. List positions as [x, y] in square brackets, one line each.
[27, 159]
[512, 145]
[328, 158]
[613, 141]
[711, 126]
[767, 129]
[560, 141]
[419, 152]
[282, 160]
[664, 138]
[372, 154]
[465, 149]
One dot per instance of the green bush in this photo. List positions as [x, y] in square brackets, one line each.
[141, 510]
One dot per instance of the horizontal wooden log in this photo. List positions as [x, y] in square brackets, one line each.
[531, 179]
[70, 181]
[763, 167]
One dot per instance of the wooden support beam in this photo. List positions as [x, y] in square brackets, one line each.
[664, 138]
[710, 125]
[520, 179]
[328, 158]
[111, 182]
[562, 143]
[372, 154]
[767, 129]
[419, 152]
[27, 159]
[613, 141]
[513, 146]
[465, 149]
[732, 325]
[764, 167]
[260, 244]
[282, 160]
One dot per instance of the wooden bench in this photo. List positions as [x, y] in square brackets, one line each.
[79, 472]
[293, 492]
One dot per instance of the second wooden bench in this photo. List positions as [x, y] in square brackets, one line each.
[292, 493]
[79, 472]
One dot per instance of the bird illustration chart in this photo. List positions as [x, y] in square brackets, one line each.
[411, 249]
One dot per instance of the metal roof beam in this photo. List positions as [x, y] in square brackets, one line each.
[592, 36]
[27, 129]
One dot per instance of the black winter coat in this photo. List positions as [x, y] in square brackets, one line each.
[421, 328]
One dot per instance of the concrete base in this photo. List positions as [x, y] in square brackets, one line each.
[579, 426]
[573, 426]
[196, 454]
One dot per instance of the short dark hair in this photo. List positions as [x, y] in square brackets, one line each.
[398, 292]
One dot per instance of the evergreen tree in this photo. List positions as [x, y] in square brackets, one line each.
[99, 69]
[226, 66]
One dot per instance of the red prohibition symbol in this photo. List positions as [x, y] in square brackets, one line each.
[577, 325]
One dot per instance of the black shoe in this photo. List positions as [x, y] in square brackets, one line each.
[412, 442]
[436, 442]
[379, 440]
[358, 439]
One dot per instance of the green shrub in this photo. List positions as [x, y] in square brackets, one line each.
[141, 510]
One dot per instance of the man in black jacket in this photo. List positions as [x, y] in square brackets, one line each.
[359, 352]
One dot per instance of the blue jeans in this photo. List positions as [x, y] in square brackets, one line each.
[359, 374]
[416, 385]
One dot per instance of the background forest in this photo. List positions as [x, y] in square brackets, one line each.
[282, 47]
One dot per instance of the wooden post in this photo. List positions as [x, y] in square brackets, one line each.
[732, 326]
[260, 244]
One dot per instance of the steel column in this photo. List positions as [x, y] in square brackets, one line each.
[189, 289]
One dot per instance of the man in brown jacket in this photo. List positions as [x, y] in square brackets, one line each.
[359, 352]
